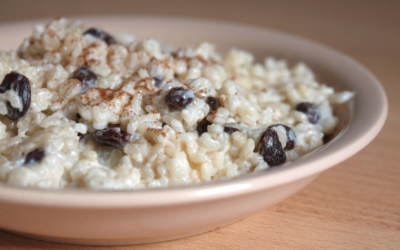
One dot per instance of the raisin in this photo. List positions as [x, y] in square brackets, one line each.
[158, 81]
[271, 148]
[87, 77]
[213, 103]
[328, 138]
[291, 138]
[83, 137]
[202, 126]
[177, 54]
[178, 98]
[78, 116]
[101, 34]
[111, 137]
[230, 130]
[22, 86]
[35, 156]
[311, 110]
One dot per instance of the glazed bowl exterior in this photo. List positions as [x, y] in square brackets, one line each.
[144, 216]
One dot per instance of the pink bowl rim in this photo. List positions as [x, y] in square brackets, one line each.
[358, 135]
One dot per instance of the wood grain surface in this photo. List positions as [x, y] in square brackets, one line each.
[355, 205]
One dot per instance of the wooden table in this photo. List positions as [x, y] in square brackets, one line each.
[355, 205]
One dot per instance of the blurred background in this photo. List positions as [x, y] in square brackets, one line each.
[368, 30]
[343, 24]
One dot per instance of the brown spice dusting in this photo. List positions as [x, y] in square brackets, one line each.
[145, 84]
[202, 60]
[151, 142]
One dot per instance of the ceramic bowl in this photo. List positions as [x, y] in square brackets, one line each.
[143, 216]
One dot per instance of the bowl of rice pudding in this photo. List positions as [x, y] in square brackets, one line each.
[129, 130]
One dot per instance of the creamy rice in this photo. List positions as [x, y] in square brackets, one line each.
[112, 112]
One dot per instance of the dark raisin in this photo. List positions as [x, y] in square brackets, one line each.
[35, 156]
[158, 81]
[290, 137]
[22, 86]
[326, 139]
[87, 77]
[311, 110]
[83, 137]
[230, 130]
[213, 103]
[177, 54]
[202, 126]
[78, 116]
[178, 98]
[111, 137]
[271, 148]
[101, 34]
